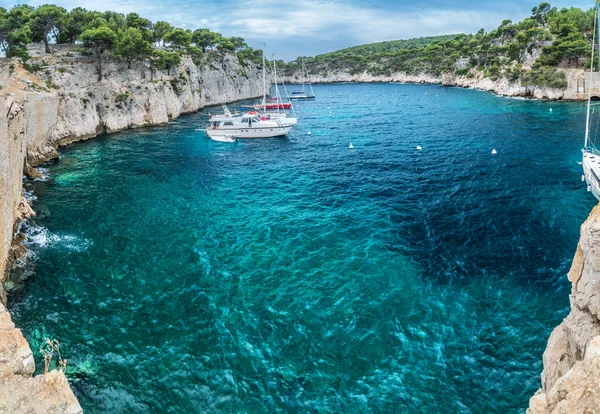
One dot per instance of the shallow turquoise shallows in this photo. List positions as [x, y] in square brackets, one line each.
[298, 275]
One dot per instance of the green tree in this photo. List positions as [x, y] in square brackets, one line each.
[115, 21]
[143, 25]
[160, 29]
[226, 45]
[132, 45]
[18, 31]
[74, 24]
[44, 20]
[162, 59]
[540, 13]
[5, 30]
[178, 38]
[238, 43]
[170, 60]
[98, 41]
[204, 38]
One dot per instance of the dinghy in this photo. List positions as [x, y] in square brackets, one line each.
[224, 138]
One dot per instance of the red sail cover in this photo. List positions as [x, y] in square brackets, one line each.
[275, 105]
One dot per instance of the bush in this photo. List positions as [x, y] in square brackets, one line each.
[122, 97]
[545, 76]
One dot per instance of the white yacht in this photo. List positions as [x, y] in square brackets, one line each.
[591, 156]
[248, 125]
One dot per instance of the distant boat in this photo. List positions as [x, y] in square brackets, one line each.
[591, 156]
[302, 95]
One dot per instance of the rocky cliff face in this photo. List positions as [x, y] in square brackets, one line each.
[57, 102]
[576, 90]
[571, 375]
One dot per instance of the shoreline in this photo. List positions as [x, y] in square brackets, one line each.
[501, 86]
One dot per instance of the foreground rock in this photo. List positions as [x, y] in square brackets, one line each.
[571, 375]
[19, 391]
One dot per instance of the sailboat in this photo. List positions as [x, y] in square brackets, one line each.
[282, 116]
[302, 95]
[274, 103]
[591, 156]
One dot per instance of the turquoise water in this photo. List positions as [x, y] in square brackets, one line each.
[298, 275]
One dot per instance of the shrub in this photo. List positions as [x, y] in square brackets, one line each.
[122, 97]
[545, 76]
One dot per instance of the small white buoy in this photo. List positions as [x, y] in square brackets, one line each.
[494, 152]
[330, 112]
[419, 148]
[351, 146]
[550, 109]
[309, 133]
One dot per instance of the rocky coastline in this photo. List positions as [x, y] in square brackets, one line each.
[60, 102]
[571, 375]
[577, 80]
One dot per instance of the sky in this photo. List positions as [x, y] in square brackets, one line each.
[292, 28]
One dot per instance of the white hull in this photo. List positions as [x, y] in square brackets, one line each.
[591, 172]
[266, 132]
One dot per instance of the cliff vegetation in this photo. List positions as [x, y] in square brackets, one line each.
[532, 50]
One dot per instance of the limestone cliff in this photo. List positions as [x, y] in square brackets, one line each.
[571, 375]
[577, 83]
[59, 101]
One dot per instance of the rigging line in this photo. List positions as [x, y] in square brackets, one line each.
[597, 125]
[587, 118]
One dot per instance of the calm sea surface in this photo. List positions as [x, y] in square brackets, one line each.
[298, 275]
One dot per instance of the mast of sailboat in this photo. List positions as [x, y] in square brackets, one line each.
[589, 103]
[312, 92]
[303, 74]
[264, 82]
[277, 97]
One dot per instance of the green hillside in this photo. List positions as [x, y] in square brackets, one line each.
[549, 38]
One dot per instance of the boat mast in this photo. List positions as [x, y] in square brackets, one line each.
[303, 74]
[276, 87]
[589, 103]
[264, 82]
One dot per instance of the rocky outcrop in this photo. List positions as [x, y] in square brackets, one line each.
[19, 391]
[571, 375]
[59, 101]
[577, 81]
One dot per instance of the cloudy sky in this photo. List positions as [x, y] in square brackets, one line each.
[292, 28]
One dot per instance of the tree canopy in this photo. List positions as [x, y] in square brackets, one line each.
[131, 36]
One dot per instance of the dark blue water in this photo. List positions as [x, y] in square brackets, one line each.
[298, 275]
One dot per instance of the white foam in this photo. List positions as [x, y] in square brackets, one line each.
[40, 237]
